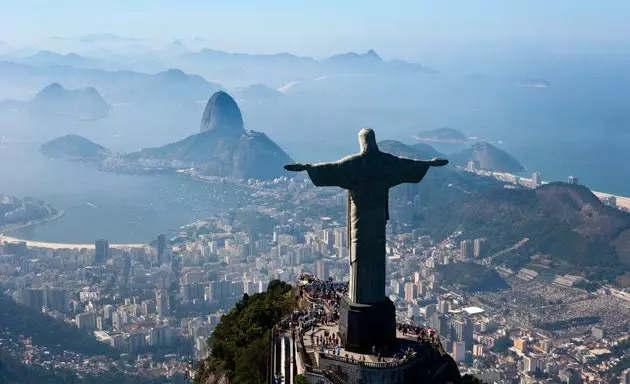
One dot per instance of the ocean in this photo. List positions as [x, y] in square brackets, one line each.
[119, 208]
[578, 126]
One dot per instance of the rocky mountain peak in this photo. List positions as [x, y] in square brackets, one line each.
[222, 114]
[51, 89]
[373, 55]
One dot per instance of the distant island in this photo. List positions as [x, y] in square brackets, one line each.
[487, 156]
[535, 83]
[442, 135]
[222, 148]
[76, 148]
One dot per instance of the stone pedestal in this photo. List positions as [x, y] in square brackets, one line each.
[362, 326]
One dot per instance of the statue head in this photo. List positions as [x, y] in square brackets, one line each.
[367, 141]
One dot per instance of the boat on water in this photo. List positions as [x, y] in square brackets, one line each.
[91, 205]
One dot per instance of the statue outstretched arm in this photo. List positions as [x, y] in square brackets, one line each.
[438, 162]
[405, 170]
[333, 174]
[297, 167]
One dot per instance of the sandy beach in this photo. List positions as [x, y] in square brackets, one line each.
[42, 244]
[623, 202]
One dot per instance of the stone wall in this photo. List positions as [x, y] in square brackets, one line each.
[368, 373]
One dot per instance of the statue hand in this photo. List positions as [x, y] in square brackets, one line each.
[296, 167]
[438, 162]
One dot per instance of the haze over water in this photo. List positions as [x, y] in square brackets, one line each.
[482, 51]
[120, 208]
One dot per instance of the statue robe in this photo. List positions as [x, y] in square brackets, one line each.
[367, 177]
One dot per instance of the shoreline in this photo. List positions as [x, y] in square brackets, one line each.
[16, 227]
[43, 244]
[622, 202]
[6, 230]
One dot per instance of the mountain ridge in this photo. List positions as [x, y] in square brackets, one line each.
[488, 157]
[567, 222]
[54, 100]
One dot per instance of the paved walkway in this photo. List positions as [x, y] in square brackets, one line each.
[333, 328]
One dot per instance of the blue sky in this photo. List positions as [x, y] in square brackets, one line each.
[320, 27]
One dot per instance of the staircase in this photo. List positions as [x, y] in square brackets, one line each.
[334, 378]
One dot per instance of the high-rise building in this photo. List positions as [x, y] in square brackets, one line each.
[545, 345]
[411, 291]
[116, 321]
[520, 344]
[161, 248]
[86, 321]
[459, 351]
[101, 251]
[161, 303]
[194, 291]
[108, 309]
[329, 237]
[466, 250]
[530, 364]
[33, 298]
[219, 290]
[463, 329]
[417, 277]
[201, 348]
[573, 180]
[478, 350]
[321, 269]
[341, 238]
[397, 287]
[471, 165]
[147, 307]
[536, 181]
[443, 306]
[480, 247]
[135, 342]
[57, 299]
[119, 342]
[160, 336]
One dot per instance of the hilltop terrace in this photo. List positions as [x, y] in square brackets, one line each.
[320, 351]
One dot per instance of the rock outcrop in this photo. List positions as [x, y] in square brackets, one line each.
[222, 148]
[487, 156]
[222, 115]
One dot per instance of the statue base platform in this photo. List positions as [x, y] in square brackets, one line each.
[363, 326]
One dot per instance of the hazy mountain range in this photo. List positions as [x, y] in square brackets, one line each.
[56, 101]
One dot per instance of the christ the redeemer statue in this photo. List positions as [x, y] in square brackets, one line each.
[367, 176]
